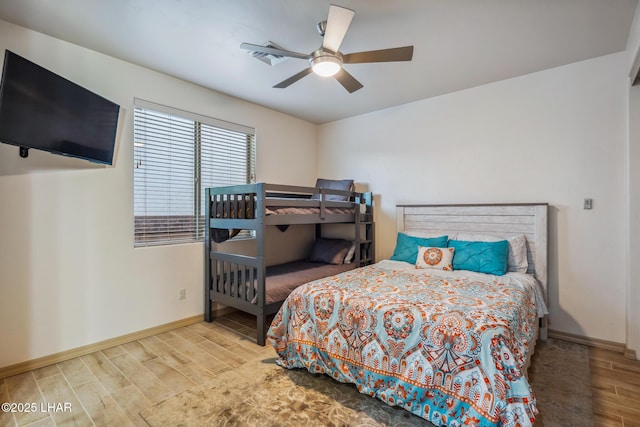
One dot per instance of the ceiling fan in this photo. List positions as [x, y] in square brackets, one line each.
[327, 61]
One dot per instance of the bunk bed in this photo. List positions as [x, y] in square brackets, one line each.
[245, 282]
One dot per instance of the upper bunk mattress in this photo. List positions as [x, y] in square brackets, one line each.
[239, 209]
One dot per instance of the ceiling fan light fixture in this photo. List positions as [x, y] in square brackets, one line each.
[326, 66]
[327, 60]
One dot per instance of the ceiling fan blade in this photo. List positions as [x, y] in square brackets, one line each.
[291, 80]
[338, 23]
[383, 55]
[348, 81]
[272, 51]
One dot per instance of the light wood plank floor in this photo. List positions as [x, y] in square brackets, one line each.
[615, 386]
[110, 387]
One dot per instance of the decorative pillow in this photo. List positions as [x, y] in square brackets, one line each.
[517, 258]
[334, 184]
[350, 253]
[435, 258]
[482, 257]
[329, 251]
[407, 246]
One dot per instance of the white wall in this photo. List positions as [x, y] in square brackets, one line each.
[633, 271]
[555, 136]
[69, 274]
[633, 190]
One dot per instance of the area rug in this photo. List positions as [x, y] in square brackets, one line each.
[260, 393]
[559, 376]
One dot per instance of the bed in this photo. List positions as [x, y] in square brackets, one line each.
[447, 344]
[245, 282]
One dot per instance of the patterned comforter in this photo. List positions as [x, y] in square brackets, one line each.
[450, 347]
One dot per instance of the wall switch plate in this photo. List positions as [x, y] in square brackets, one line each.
[182, 294]
[588, 204]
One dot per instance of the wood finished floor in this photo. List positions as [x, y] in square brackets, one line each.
[615, 386]
[110, 387]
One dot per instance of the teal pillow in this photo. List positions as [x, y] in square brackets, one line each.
[407, 246]
[482, 257]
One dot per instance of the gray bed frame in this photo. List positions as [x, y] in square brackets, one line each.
[228, 275]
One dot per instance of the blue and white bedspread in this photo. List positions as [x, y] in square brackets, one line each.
[450, 347]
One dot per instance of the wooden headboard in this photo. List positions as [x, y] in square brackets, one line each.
[500, 220]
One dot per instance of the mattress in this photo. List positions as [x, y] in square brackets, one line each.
[450, 347]
[282, 279]
[240, 210]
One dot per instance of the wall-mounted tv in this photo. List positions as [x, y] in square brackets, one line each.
[42, 110]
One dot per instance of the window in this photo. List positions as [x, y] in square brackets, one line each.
[176, 156]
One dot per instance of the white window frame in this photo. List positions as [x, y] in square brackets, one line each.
[156, 225]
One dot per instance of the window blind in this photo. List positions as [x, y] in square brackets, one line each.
[177, 155]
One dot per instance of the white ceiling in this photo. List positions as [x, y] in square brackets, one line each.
[458, 43]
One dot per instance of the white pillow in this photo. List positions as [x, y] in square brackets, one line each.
[429, 234]
[349, 256]
[435, 258]
[517, 257]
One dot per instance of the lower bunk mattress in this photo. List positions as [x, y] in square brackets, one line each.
[282, 279]
[450, 347]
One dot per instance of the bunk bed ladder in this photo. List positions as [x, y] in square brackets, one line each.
[364, 232]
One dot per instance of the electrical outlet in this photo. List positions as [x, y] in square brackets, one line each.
[182, 294]
[588, 204]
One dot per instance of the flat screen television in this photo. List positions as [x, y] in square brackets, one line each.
[42, 110]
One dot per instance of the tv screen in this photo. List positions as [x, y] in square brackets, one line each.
[42, 110]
